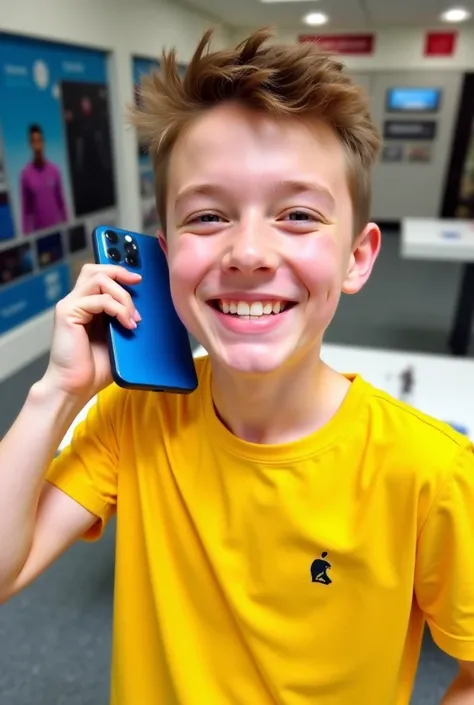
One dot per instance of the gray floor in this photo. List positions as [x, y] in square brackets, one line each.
[55, 637]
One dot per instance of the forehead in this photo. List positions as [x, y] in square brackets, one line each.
[239, 146]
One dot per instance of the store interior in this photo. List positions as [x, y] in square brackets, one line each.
[67, 73]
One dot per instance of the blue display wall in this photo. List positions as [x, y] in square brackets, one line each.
[56, 170]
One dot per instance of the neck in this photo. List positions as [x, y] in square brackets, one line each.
[278, 407]
[38, 160]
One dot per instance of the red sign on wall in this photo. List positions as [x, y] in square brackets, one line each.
[342, 43]
[440, 43]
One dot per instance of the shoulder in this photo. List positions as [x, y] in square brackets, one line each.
[54, 169]
[423, 442]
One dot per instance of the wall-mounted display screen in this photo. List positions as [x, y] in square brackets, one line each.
[409, 129]
[413, 100]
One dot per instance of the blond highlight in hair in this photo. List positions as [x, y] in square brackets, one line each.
[295, 80]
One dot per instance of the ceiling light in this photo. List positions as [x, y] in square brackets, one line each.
[456, 14]
[315, 18]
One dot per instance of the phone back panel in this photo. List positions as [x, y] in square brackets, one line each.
[157, 354]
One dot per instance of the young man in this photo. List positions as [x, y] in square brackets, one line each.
[41, 189]
[284, 533]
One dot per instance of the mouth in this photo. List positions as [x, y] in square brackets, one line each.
[251, 310]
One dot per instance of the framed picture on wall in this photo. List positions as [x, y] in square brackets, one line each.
[392, 153]
[420, 153]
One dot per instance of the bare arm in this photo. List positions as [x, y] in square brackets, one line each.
[461, 691]
[37, 521]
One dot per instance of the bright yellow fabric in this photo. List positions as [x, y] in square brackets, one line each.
[214, 601]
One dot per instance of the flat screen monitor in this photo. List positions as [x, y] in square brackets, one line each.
[413, 100]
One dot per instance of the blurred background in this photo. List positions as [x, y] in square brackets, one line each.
[67, 69]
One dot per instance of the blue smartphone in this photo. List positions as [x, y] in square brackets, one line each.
[156, 355]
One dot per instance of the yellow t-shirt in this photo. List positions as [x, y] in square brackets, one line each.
[277, 574]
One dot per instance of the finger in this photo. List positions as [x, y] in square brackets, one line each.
[100, 283]
[112, 271]
[82, 310]
[90, 306]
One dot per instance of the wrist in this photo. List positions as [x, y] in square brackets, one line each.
[49, 397]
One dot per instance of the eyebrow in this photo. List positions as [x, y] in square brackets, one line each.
[199, 190]
[297, 186]
[286, 185]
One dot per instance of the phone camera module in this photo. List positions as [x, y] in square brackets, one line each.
[131, 259]
[112, 236]
[114, 254]
[130, 248]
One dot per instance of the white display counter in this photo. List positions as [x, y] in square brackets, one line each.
[435, 239]
[450, 241]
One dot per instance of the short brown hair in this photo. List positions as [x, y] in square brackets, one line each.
[283, 80]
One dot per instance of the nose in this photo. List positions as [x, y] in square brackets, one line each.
[251, 247]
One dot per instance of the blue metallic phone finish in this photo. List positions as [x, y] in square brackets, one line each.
[157, 354]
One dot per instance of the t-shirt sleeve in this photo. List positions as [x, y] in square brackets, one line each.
[444, 580]
[87, 469]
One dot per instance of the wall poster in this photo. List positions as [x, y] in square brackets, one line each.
[149, 216]
[56, 170]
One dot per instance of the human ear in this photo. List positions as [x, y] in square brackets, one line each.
[162, 240]
[365, 250]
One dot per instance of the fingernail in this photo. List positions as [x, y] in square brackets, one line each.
[132, 323]
[137, 316]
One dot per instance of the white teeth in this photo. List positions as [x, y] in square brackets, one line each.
[243, 309]
[256, 309]
[253, 310]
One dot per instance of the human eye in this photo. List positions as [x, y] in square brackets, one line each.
[205, 218]
[301, 218]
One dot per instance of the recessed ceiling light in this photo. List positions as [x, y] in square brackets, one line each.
[455, 14]
[315, 18]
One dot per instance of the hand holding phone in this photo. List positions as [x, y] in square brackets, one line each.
[156, 354]
[79, 363]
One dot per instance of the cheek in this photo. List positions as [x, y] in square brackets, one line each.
[188, 261]
[319, 266]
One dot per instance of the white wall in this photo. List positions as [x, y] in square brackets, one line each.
[406, 189]
[124, 28]
[395, 49]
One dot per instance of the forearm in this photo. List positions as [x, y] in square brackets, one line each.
[25, 455]
[461, 691]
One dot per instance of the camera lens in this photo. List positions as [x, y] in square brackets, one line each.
[130, 247]
[114, 254]
[131, 259]
[111, 236]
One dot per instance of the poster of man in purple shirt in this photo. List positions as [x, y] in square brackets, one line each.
[41, 189]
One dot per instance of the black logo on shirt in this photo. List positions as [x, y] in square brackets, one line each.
[319, 568]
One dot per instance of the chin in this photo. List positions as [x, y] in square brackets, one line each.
[249, 359]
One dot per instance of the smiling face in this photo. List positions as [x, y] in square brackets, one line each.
[260, 236]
